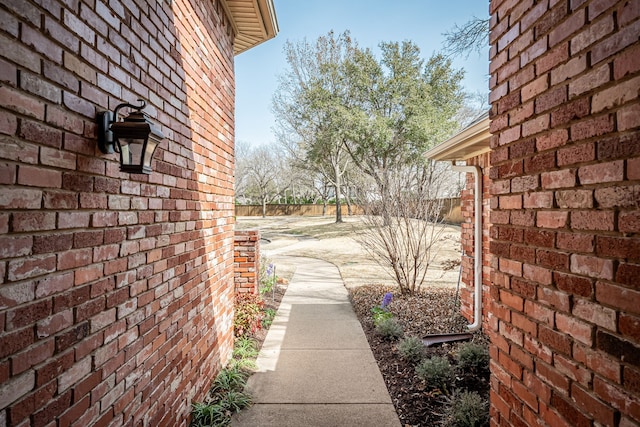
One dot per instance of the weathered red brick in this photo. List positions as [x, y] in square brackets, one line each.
[615, 43]
[617, 196]
[620, 297]
[627, 63]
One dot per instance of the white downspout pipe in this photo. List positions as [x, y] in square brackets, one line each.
[477, 243]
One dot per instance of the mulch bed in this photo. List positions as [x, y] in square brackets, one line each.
[430, 312]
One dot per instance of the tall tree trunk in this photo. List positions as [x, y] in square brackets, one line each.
[348, 199]
[338, 201]
[264, 207]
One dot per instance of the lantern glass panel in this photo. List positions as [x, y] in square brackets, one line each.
[131, 150]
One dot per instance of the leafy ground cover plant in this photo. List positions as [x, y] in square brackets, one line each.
[473, 357]
[268, 316]
[427, 312]
[225, 398]
[248, 314]
[226, 395]
[381, 312]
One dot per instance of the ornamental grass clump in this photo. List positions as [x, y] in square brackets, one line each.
[436, 373]
[226, 395]
[411, 349]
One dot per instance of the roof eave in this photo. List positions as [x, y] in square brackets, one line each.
[470, 142]
[253, 22]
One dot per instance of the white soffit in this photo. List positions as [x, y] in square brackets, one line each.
[469, 142]
[254, 22]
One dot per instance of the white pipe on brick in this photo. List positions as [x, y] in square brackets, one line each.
[477, 243]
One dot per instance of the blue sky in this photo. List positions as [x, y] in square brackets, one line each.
[370, 22]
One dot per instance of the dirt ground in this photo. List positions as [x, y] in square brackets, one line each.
[320, 237]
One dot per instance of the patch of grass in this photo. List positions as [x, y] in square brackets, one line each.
[226, 395]
[204, 415]
[227, 380]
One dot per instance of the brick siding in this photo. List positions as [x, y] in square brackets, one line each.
[246, 258]
[116, 290]
[566, 225]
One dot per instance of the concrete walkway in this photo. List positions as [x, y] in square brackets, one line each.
[315, 367]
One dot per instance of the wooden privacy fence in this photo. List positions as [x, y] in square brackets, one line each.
[450, 210]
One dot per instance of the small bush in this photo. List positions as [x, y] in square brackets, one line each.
[467, 409]
[436, 372]
[473, 358]
[248, 314]
[411, 349]
[389, 329]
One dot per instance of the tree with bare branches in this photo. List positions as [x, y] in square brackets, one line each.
[404, 231]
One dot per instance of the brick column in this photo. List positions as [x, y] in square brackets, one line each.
[246, 258]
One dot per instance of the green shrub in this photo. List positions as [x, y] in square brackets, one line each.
[411, 349]
[467, 409]
[473, 358]
[389, 329]
[248, 314]
[436, 372]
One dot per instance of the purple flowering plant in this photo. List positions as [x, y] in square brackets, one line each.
[381, 312]
[268, 279]
[386, 300]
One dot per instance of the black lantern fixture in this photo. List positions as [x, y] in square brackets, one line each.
[135, 138]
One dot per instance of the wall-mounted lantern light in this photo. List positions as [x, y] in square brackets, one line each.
[135, 138]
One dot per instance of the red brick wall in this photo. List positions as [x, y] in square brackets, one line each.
[116, 290]
[566, 150]
[468, 244]
[246, 256]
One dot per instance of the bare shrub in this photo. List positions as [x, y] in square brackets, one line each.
[405, 224]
